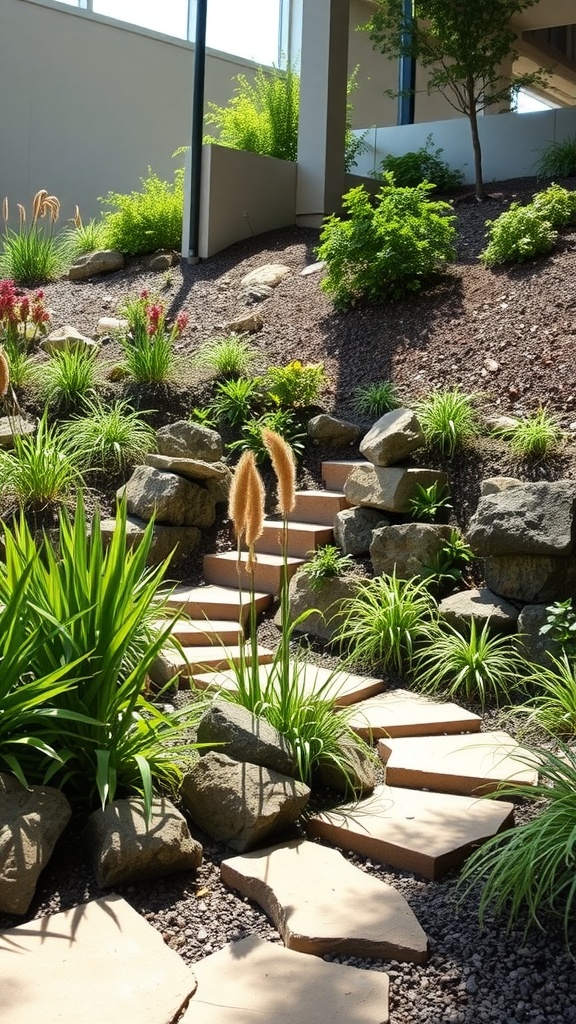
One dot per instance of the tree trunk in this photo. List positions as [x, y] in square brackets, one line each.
[473, 118]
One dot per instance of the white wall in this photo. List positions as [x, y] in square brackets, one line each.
[511, 143]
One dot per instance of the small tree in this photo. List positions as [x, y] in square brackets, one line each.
[463, 43]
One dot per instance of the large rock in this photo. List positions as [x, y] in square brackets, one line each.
[270, 275]
[531, 519]
[65, 338]
[239, 734]
[353, 529]
[125, 848]
[246, 323]
[241, 804]
[31, 821]
[535, 579]
[192, 469]
[187, 440]
[327, 605]
[480, 606]
[407, 550]
[105, 261]
[537, 647]
[332, 431]
[389, 488]
[14, 426]
[392, 438]
[180, 541]
[170, 498]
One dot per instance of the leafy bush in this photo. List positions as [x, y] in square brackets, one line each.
[68, 379]
[231, 356]
[110, 438]
[141, 222]
[560, 625]
[536, 436]
[235, 400]
[33, 253]
[558, 159]
[556, 205]
[326, 563]
[261, 117]
[448, 419]
[149, 344]
[376, 399]
[424, 164]
[517, 235]
[386, 250]
[295, 386]
[282, 422]
[384, 620]
[428, 501]
[43, 469]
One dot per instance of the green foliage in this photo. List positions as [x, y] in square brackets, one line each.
[473, 665]
[558, 159]
[428, 501]
[326, 563]
[68, 379]
[281, 422]
[22, 370]
[448, 565]
[261, 117]
[87, 238]
[230, 356]
[295, 386]
[556, 205]
[34, 253]
[376, 399]
[424, 164]
[529, 870]
[41, 470]
[150, 219]
[110, 437]
[386, 250]
[448, 419]
[534, 437]
[560, 626]
[517, 235]
[553, 703]
[148, 345]
[235, 400]
[204, 417]
[384, 620]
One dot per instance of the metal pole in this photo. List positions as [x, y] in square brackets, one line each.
[197, 128]
[407, 72]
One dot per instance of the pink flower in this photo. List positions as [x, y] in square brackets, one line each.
[181, 322]
[155, 315]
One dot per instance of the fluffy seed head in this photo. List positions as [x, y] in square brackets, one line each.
[284, 466]
[77, 218]
[21, 213]
[4, 375]
[5, 209]
[255, 499]
[38, 204]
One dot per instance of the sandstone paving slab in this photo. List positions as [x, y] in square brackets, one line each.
[429, 833]
[257, 982]
[99, 962]
[320, 903]
[342, 687]
[473, 764]
[403, 713]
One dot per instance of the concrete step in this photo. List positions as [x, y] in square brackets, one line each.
[303, 538]
[201, 632]
[206, 660]
[403, 713]
[222, 569]
[472, 765]
[343, 688]
[217, 602]
[430, 833]
[318, 507]
[335, 472]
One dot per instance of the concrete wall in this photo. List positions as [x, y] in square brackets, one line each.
[511, 143]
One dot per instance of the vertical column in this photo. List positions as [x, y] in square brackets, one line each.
[322, 126]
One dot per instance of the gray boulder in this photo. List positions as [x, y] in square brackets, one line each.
[125, 848]
[408, 549]
[353, 529]
[392, 438]
[246, 323]
[332, 431]
[481, 606]
[236, 732]
[390, 488]
[31, 821]
[163, 259]
[187, 440]
[192, 469]
[241, 804]
[181, 540]
[269, 275]
[170, 498]
[327, 604]
[67, 337]
[531, 519]
[535, 579]
[104, 261]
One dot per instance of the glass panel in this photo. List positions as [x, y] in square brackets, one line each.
[247, 29]
[168, 16]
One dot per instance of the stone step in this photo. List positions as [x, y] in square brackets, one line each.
[58, 963]
[303, 538]
[403, 713]
[212, 659]
[201, 632]
[320, 903]
[411, 830]
[223, 570]
[217, 602]
[257, 982]
[335, 472]
[343, 688]
[318, 507]
[473, 765]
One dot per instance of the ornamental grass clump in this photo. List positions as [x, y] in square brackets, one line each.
[229, 357]
[68, 380]
[42, 470]
[448, 419]
[111, 437]
[34, 253]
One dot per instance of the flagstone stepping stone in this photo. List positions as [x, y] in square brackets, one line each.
[320, 903]
[403, 713]
[343, 688]
[470, 764]
[97, 962]
[429, 833]
[254, 981]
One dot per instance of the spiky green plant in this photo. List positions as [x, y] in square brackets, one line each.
[536, 436]
[43, 469]
[558, 160]
[376, 399]
[326, 563]
[236, 400]
[448, 419]
[552, 704]
[68, 379]
[229, 356]
[110, 437]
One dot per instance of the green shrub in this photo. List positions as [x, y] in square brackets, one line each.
[261, 117]
[34, 253]
[386, 250]
[424, 164]
[68, 379]
[43, 469]
[326, 563]
[558, 159]
[295, 386]
[236, 400]
[517, 235]
[282, 422]
[376, 399]
[141, 222]
[110, 438]
[536, 436]
[448, 419]
[231, 356]
[556, 205]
